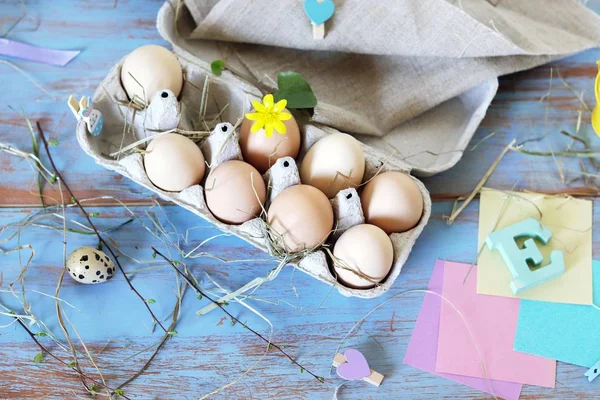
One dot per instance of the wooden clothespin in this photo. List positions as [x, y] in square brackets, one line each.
[593, 372]
[84, 110]
[319, 11]
[352, 366]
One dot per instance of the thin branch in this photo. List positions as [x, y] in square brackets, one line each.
[481, 183]
[46, 351]
[89, 220]
[582, 154]
[162, 342]
[233, 318]
[585, 143]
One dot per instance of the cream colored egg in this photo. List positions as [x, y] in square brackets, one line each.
[173, 162]
[302, 217]
[150, 69]
[366, 255]
[89, 265]
[334, 163]
[392, 201]
[262, 151]
[235, 192]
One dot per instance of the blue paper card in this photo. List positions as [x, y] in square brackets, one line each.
[564, 332]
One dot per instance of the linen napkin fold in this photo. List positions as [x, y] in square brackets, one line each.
[383, 63]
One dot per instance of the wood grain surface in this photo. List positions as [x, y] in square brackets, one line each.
[208, 352]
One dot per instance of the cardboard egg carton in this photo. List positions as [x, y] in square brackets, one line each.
[237, 94]
[109, 99]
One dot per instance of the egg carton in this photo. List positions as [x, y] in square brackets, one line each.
[124, 126]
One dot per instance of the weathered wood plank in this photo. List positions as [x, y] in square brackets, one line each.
[204, 355]
[99, 29]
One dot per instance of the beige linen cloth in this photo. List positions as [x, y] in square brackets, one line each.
[396, 70]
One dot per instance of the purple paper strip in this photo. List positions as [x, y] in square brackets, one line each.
[37, 54]
[422, 348]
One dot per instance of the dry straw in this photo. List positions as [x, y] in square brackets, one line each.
[164, 233]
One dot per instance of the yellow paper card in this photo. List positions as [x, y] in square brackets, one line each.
[569, 220]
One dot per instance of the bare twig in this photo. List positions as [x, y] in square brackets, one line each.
[46, 351]
[162, 342]
[582, 154]
[585, 143]
[100, 238]
[481, 183]
[233, 318]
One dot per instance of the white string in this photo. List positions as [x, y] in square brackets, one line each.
[337, 389]
[360, 321]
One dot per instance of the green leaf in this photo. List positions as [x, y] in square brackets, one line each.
[72, 364]
[94, 214]
[53, 142]
[217, 67]
[232, 322]
[94, 390]
[321, 379]
[199, 297]
[39, 357]
[150, 301]
[154, 255]
[301, 370]
[295, 90]
[41, 334]
[53, 178]
[73, 200]
[119, 392]
[172, 333]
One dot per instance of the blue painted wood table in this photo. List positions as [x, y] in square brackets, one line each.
[308, 319]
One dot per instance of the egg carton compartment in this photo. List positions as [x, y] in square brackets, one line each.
[111, 99]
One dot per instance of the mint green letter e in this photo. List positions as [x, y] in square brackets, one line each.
[515, 258]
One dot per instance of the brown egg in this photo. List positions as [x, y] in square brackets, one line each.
[173, 162]
[392, 201]
[235, 192]
[334, 163]
[302, 215]
[261, 151]
[367, 250]
[150, 69]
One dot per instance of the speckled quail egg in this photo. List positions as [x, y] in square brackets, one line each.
[89, 265]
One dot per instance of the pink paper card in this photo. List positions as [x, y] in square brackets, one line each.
[493, 322]
[421, 352]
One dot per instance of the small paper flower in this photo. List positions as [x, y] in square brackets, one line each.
[269, 115]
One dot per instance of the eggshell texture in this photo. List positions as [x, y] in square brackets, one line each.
[154, 68]
[302, 215]
[230, 195]
[89, 265]
[262, 152]
[392, 201]
[173, 162]
[334, 163]
[367, 249]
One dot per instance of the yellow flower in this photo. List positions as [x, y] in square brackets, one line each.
[269, 116]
